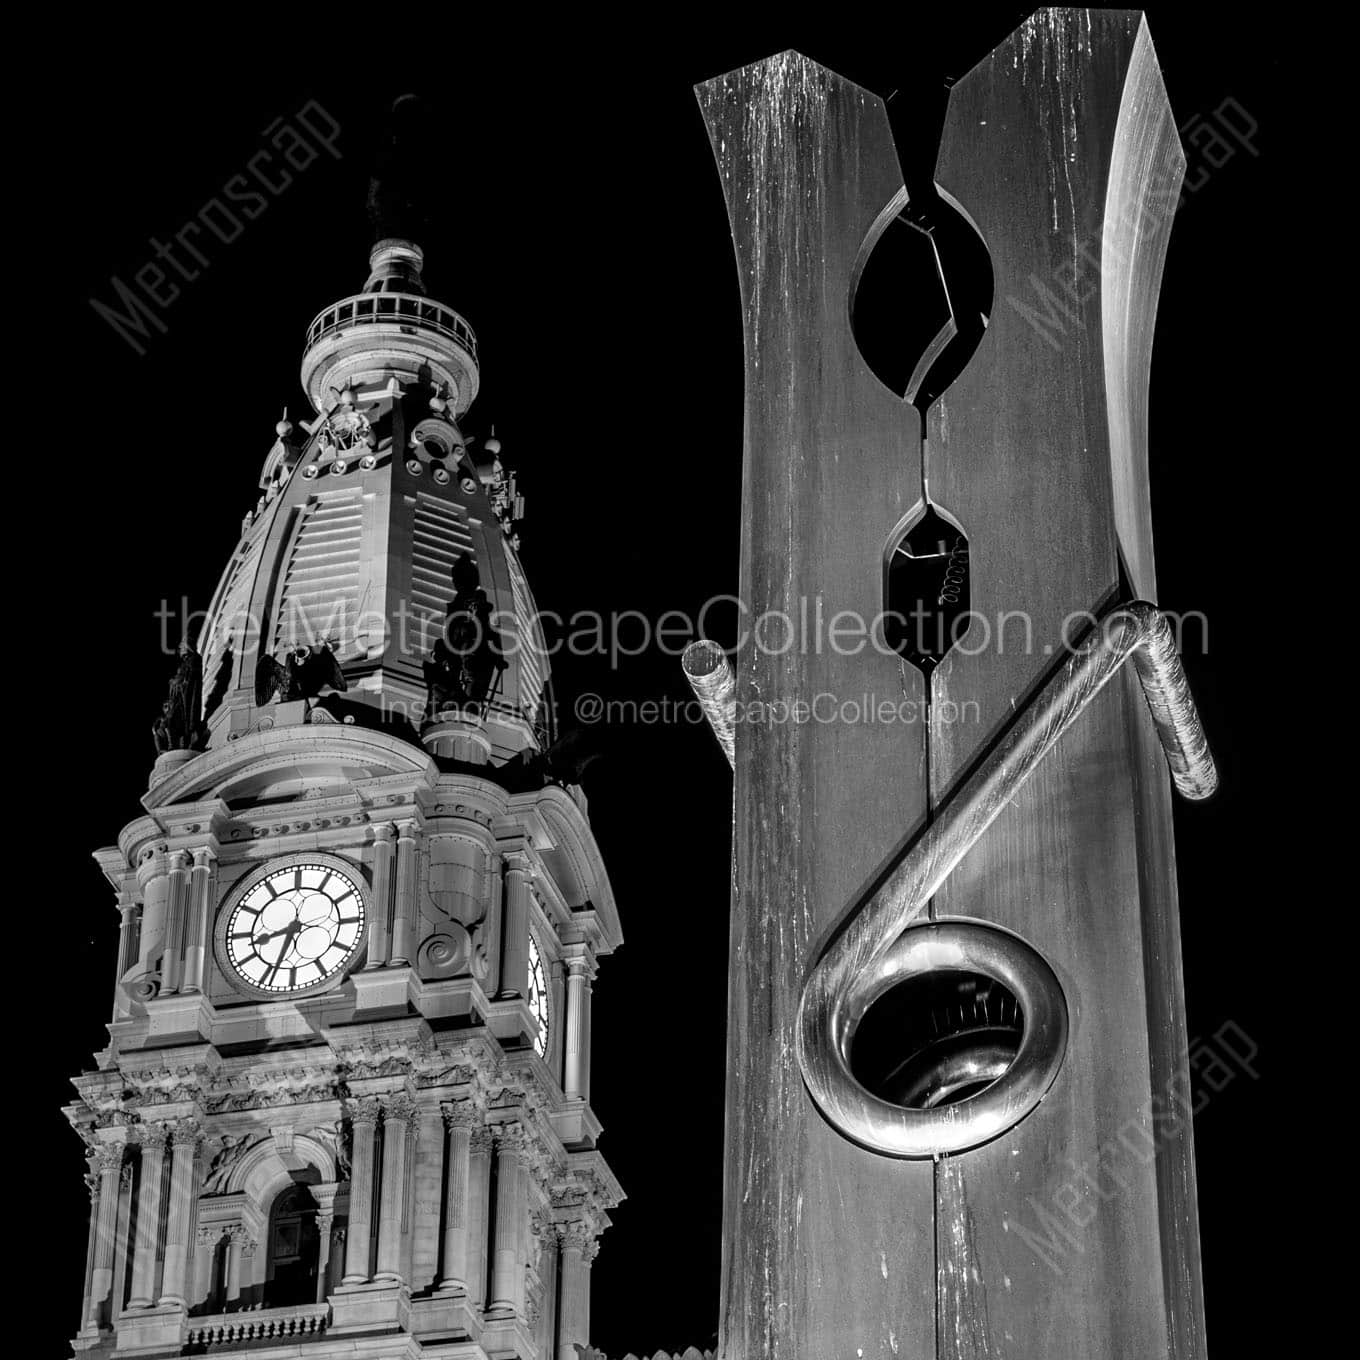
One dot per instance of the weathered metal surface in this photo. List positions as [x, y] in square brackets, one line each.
[715, 687]
[1073, 1235]
[1071, 1239]
[826, 1251]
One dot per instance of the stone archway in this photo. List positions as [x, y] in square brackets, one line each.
[274, 1208]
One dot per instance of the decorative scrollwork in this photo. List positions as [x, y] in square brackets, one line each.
[459, 1114]
[400, 1106]
[446, 953]
[365, 1110]
[145, 987]
[109, 1156]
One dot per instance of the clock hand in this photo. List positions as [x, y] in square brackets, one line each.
[290, 928]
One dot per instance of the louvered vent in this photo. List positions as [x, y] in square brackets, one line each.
[319, 599]
[528, 648]
[230, 622]
[438, 536]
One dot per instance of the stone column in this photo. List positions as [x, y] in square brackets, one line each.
[324, 1195]
[172, 963]
[338, 1235]
[575, 1286]
[524, 1253]
[155, 888]
[325, 1221]
[515, 955]
[108, 1162]
[363, 1122]
[557, 1011]
[148, 1218]
[489, 932]
[572, 1074]
[205, 1252]
[122, 1236]
[184, 1142]
[403, 910]
[588, 1254]
[196, 929]
[250, 1269]
[231, 1290]
[586, 999]
[458, 1118]
[380, 929]
[398, 1112]
[479, 1214]
[507, 1274]
[129, 914]
[91, 1236]
[547, 1278]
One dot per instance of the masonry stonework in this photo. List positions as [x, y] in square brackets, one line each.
[344, 1108]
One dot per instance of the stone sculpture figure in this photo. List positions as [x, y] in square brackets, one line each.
[468, 653]
[303, 675]
[180, 725]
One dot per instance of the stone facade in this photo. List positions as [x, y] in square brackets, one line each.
[394, 1156]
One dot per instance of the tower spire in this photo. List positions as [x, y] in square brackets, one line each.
[399, 202]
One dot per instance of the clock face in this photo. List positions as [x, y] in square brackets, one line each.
[538, 997]
[294, 927]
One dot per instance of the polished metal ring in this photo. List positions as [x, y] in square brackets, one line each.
[939, 1129]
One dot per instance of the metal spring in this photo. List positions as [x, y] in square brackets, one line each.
[955, 573]
[871, 950]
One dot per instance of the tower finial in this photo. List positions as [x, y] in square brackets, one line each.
[398, 191]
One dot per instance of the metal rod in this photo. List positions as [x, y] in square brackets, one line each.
[710, 676]
[856, 967]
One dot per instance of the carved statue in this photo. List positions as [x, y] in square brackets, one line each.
[233, 1149]
[180, 725]
[303, 675]
[563, 762]
[469, 652]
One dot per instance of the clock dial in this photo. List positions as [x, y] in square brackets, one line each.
[295, 927]
[538, 997]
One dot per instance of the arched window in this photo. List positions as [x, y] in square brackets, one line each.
[294, 1248]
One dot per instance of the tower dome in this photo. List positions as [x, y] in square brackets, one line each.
[377, 579]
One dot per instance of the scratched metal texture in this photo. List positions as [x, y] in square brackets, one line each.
[1061, 149]
[828, 1252]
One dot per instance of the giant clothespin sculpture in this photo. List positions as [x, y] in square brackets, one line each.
[957, 1077]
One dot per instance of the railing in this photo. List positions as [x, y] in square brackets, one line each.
[270, 1324]
[693, 1353]
[393, 309]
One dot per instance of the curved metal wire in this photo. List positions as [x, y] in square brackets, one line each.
[858, 965]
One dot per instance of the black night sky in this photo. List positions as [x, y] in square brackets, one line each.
[579, 225]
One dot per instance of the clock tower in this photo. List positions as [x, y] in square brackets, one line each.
[345, 1104]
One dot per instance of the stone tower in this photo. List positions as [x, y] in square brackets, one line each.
[345, 1105]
